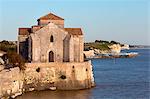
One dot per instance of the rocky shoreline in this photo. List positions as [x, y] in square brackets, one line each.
[121, 55]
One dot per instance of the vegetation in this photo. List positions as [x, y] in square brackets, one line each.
[92, 45]
[102, 41]
[114, 42]
[14, 59]
[99, 44]
[7, 46]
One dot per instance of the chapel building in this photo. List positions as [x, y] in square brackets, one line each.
[50, 41]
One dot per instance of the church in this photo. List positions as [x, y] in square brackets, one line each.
[54, 55]
[50, 41]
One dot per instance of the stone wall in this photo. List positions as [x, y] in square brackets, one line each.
[41, 76]
[59, 23]
[66, 51]
[76, 47]
[63, 76]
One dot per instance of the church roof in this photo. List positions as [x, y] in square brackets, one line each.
[50, 16]
[24, 31]
[74, 31]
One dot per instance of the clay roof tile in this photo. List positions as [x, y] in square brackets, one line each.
[74, 31]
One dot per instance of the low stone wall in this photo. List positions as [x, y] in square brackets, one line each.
[41, 76]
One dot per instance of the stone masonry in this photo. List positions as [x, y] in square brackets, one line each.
[50, 41]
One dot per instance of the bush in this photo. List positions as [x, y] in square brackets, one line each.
[16, 60]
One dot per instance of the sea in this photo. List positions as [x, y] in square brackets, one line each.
[120, 78]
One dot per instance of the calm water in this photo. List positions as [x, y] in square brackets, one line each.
[123, 78]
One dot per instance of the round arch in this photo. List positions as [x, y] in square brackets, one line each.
[51, 56]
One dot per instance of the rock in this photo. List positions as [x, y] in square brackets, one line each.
[8, 92]
[10, 82]
[125, 46]
[52, 88]
[89, 53]
[16, 94]
[115, 48]
[1, 67]
[31, 89]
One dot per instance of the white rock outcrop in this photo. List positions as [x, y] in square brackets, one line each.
[89, 53]
[115, 48]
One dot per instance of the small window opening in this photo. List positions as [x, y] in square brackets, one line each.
[38, 69]
[63, 77]
[51, 38]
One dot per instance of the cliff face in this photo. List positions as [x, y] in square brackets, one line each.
[41, 76]
[115, 48]
[103, 47]
[89, 53]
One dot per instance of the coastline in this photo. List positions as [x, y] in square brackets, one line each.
[120, 55]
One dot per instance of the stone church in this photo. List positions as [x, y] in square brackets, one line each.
[55, 56]
[50, 41]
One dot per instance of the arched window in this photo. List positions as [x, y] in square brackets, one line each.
[51, 56]
[51, 38]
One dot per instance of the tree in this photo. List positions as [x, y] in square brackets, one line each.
[114, 42]
[101, 41]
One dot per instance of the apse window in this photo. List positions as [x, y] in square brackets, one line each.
[51, 38]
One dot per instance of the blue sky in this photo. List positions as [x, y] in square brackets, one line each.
[126, 21]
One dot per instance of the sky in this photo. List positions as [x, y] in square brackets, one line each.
[125, 21]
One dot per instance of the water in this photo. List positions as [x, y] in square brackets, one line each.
[122, 78]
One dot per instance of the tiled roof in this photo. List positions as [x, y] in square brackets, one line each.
[74, 31]
[24, 31]
[36, 28]
[50, 16]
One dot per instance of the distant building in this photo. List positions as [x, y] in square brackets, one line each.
[50, 41]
